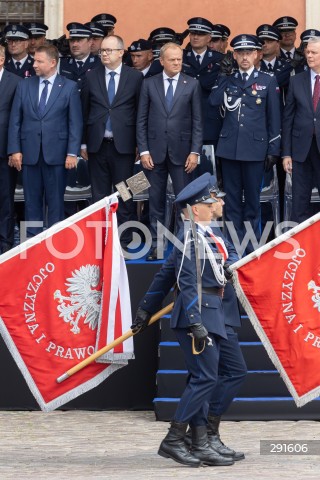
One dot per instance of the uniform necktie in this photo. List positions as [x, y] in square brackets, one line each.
[43, 98]
[80, 64]
[244, 77]
[288, 55]
[270, 67]
[169, 94]
[111, 95]
[316, 93]
[198, 57]
[18, 65]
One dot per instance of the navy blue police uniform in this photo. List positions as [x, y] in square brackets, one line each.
[228, 378]
[250, 133]
[286, 24]
[69, 67]
[207, 73]
[19, 32]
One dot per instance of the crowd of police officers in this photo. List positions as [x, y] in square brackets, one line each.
[205, 57]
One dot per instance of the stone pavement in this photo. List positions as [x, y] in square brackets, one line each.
[123, 446]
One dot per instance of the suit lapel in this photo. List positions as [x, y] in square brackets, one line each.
[33, 84]
[181, 85]
[4, 81]
[307, 88]
[101, 76]
[158, 80]
[121, 86]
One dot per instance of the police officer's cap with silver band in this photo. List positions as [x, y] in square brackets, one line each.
[200, 25]
[105, 19]
[162, 35]
[245, 42]
[285, 24]
[96, 29]
[16, 32]
[78, 30]
[307, 34]
[196, 192]
[217, 31]
[269, 31]
[36, 29]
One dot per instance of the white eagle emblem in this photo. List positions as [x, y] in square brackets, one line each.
[84, 300]
[316, 293]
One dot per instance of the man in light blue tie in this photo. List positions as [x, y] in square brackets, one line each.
[169, 133]
[44, 139]
[110, 100]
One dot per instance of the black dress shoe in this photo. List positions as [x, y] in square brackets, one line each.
[152, 255]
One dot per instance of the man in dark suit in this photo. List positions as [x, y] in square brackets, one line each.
[8, 85]
[249, 140]
[110, 101]
[301, 133]
[45, 131]
[18, 61]
[169, 132]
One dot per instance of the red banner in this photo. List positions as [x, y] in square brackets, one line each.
[280, 291]
[50, 306]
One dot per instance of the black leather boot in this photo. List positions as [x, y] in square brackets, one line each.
[202, 450]
[216, 443]
[173, 446]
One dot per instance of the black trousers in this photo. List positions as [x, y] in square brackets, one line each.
[8, 178]
[305, 176]
[107, 167]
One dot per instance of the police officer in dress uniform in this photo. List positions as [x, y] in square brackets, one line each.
[249, 140]
[203, 64]
[271, 63]
[98, 35]
[201, 314]
[37, 36]
[232, 367]
[82, 60]
[19, 61]
[287, 27]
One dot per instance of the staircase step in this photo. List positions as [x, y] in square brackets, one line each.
[256, 357]
[259, 408]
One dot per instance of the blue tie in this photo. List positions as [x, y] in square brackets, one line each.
[111, 95]
[169, 94]
[43, 98]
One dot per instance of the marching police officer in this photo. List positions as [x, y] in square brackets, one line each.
[197, 310]
[19, 61]
[82, 60]
[250, 136]
[203, 64]
[232, 368]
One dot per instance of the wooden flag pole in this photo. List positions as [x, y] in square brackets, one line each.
[111, 345]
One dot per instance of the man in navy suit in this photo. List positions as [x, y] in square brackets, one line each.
[249, 140]
[8, 85]
[110, 101]
[169, 132]
[301, 133]
[44, 140]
